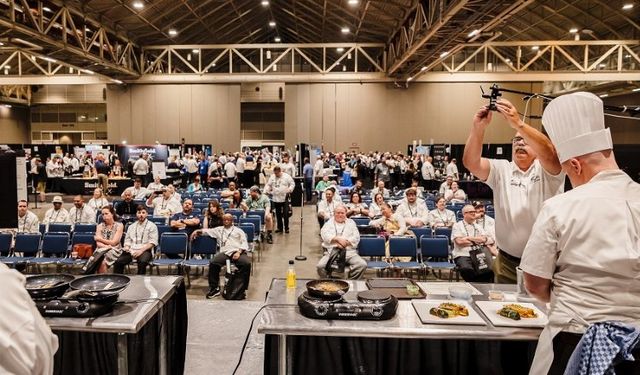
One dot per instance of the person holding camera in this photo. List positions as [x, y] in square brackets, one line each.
[469, 241]
[163, 204]
[280, 185]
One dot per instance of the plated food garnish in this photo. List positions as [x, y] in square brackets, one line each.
[449, 310]
[517, 312]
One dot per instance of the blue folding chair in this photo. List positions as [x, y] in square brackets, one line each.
[162, 228]
[421, 232]
[27, 244]
[175, 247]
[55, 246]
[79, 238]
[444, 231]
[203, 248]
[259, 213]
[373, 247]
[5, 244]
[59, 228]
[158, 220]
[84, 228]
[435, 255]
[42, 228]
[405, 247]
[257, 224]
[361, 221]
[235, 212]
[249, 230]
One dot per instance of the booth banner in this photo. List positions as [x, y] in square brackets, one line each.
[159, 169]
[133, 152]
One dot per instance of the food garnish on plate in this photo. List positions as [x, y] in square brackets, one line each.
[449, 310]
[517, 312]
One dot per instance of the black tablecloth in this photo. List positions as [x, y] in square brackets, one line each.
[96, 353]
[386, 356]
[85, 186]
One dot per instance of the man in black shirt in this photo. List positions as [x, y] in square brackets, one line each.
[126, 209]
[186, 220]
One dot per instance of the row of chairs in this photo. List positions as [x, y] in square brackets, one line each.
[432, 255]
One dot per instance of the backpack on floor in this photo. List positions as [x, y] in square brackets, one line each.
[235, 285]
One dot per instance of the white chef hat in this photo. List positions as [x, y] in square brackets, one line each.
[575, 124]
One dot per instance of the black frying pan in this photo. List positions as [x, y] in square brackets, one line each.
[100, 285]
[327, 288]
[48, 286]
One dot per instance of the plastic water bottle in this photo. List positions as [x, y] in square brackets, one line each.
[291, 276]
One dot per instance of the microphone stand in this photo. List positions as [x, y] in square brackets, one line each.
[301, 257]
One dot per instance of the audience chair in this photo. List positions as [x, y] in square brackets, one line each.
[443, 231]
[27, 244]
[364, 221]
[79, 238]
[421, 232]
[203, 248]
[435, 255]
[401, 246]
[5, 244]
[84, 228]
[249, 230]
[174, 246]
[55, 245]
[374, 247]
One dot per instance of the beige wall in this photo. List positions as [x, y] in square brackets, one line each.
[379, 116]
[201, 114]
[14, 125]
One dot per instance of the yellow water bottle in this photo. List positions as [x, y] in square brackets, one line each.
[291, 276]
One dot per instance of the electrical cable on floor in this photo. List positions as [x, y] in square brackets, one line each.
[246, 339]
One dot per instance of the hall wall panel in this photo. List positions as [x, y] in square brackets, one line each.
[201, 114]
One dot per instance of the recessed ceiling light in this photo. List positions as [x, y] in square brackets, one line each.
[272, 23]
[409, 79]
[443, 54]
[196, 51]
[340, 49]
[264, 3]
[1, 44]
[604, 95]
[7, 67]
[46, 9]
[7, 105]
[507, 60]
[602, 65]
[573, 30]
[117, 81]
[173, 32]
[345, 30]
[636, 90]
[124, 141]
[474, 33]
[627, 6]
[423, 68]
[49, 59]
[138, 4]
[535, 48]
[277, 39]
[353, 2]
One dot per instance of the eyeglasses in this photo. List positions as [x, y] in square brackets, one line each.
[518, 139]
[470, 212]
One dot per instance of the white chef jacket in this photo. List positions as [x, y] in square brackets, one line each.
[463, 229]
[27, 344]
[97, 204]
[517, 198]
[59, 216]
[229, 239]
[587, 242]
[29, 223]
[347, 230]
[416, 210]
[279, 187]
[155, 186]
[428, 172]
[437, 217]
[140, 167]
[139, 234]
[84, 215]
[326, 209]
[139, 193]
[288, 168]
[488, 225]
[452, 170]
[230, 169]
[384, 192]
[165, 207]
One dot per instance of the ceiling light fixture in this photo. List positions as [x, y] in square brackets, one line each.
[195, 51]
[117, 81]
[124, 141]
[268, 55]
[349, 56]
[573, 30]
[344, 68]
[340, 49]
[627, 6]
[264, 3]
[508, 61]
[70, 70]
[602, 65]
[7, 105]
[409, 79]
[138, 4]
[345, 30]
[353, 2]
[277, 39]
[535, 48]
[1, 44]
[443, 54]
[46, 9]
[7, 67]
[474, 33]
[272, 23]
[173, 32]
[603, 95]
[188, 57]
[49, 59]
[423, 68]
[636, 89]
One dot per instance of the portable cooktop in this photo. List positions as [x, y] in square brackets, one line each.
[370, 305]
[76, 307]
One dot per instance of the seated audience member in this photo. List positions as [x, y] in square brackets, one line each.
[327, 206]
[341, 233]
[126, 208]
[98, 200]
[137, 190]
[455, 195]
[380, 189]
[236, 200]
[187, 219]
[27, 345]
[488, 225]
[468, 236]
[81, 213]
[258, 201]
[163, 204]
[141, 238]
[108, 238]
[391, 223]
[322, 185]
[419, 189]
[356, 207]
[358, 188]
[156, 185]
[28, 222]
[56, 214]
[174, 195]
[440, 216]
[213, 215]
[414, 211]
[195, 186]
[227, 194]
[446, 185]
[233, 246]
[374, 209]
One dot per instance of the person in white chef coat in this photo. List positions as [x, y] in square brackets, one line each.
[583, 255]
[27, 344]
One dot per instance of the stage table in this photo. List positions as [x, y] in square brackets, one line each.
[145, 333]
[295, 344]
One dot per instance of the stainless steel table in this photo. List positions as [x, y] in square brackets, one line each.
[282, 319]
[143, 300]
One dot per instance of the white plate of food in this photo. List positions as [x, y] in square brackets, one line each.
[446, 312]
[512, 314]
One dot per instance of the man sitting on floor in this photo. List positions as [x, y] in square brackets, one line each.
[141, 238]
[341, 233]
[233, 245]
